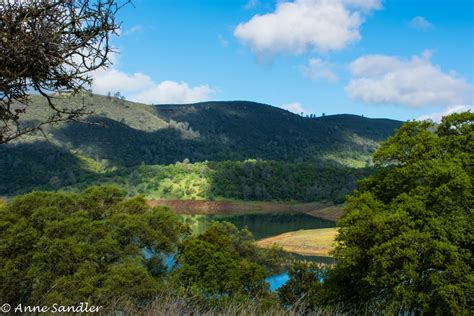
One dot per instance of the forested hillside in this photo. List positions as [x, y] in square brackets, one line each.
[124, 137]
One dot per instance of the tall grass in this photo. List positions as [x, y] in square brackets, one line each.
[169, 304]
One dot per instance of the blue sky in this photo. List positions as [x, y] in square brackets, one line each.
[401, 59]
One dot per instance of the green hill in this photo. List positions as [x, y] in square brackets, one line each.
[125, 137]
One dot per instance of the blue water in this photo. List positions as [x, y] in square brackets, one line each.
[169, 259]
[276, 281]
[266, 225]
[170, 262]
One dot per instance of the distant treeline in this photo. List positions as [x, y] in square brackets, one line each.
[248, 180]
[274, 180]
[243, 180]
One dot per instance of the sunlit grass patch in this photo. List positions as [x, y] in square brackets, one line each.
[314, 242]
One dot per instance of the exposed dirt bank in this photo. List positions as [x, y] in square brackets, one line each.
[325, 211]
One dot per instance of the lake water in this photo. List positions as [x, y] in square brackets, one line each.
[276, 281]
[261, 225]
[266, 225]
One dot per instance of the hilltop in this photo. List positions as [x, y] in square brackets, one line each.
[136, 133]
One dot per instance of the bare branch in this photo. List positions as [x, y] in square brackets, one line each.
[50, 46]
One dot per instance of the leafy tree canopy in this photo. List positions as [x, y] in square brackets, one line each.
[406, 239]
[221, 262]
[304, 287]
[65, 247]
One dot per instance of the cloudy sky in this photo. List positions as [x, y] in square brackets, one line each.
[401, 59]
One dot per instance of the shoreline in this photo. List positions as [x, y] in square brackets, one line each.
[201, 207]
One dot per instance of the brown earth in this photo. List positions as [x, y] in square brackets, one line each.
[191, 207]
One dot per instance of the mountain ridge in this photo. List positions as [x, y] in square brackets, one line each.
[138, 134]
[254, 103]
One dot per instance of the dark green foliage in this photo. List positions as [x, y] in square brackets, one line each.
[37, 165]
[274, 180]
[253, 130]
[221, 262]
[246, 180]
[67, 247]
[226, 131]
[304, 288]
[406, 240]
[129, 135]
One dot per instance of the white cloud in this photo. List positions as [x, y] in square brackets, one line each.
[294, 107]
[174, 92]
[141, 88]
[305, 25]
[319, 69]
[380, 79]
[421, 23]
[450, 110]
[113, 80]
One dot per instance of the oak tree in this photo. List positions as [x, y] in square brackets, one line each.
[50, 46]
[406, 240]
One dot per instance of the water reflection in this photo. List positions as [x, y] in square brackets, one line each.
[261, 225]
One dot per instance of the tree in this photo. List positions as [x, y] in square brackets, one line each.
[406, 240]
[221, 262]
[66, 248]
[50, 46]
[304, 287]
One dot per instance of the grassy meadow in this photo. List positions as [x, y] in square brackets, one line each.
[307, 242]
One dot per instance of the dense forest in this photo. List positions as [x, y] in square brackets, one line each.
[248, 180]
[404, 245]
[237, 150]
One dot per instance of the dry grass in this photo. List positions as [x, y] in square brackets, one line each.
[170, 305]
[310, 242]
